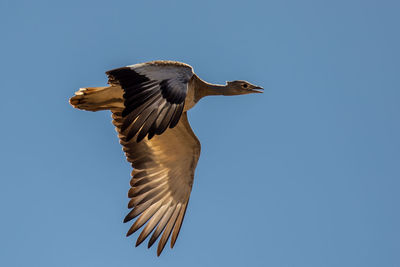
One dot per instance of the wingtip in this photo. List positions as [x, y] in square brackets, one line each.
[130, 232]
[173, 243]
[151, 241]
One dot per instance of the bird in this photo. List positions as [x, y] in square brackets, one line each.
[149, 103]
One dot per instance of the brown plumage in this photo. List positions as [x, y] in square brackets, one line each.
[151, 100]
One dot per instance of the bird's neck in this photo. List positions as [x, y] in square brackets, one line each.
[205, 89]
[214, 89]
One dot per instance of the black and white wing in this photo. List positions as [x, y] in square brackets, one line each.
[161, 180]
[154, 96]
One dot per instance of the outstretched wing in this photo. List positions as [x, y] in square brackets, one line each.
[154, 96]
[161, 180]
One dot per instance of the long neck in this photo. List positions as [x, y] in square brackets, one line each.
[205, 89]
[214, 89]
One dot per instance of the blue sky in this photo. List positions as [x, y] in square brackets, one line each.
[306, 174]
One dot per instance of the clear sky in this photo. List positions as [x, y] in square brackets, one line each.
[307, 174]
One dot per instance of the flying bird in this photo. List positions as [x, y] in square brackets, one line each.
[149, 103]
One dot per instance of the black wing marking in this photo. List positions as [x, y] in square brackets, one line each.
[151, 105]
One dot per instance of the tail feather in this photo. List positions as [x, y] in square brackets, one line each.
[98, 98]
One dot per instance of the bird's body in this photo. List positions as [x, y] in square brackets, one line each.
[151, 100]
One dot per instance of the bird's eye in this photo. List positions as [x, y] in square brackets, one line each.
[244, 85]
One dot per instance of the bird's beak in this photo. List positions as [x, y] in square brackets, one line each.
[257, 89]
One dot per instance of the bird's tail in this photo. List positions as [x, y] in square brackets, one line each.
[98, 98]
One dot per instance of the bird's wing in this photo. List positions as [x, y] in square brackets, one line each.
[162, 180]
[154, 96]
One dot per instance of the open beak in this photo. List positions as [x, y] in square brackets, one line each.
[257, 89]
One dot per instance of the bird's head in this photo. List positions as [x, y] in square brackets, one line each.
[243, 87]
